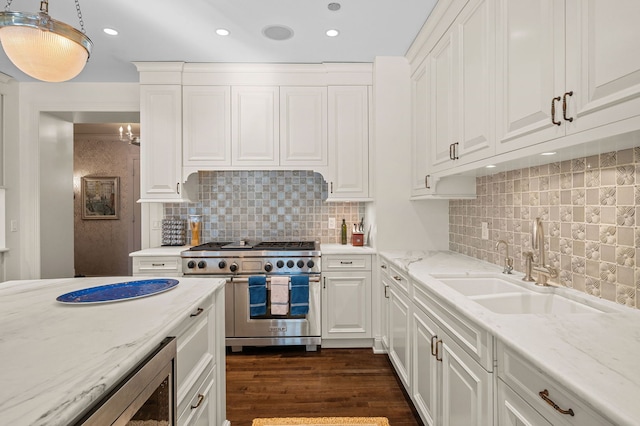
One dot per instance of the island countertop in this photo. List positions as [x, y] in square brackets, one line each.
[59, 359]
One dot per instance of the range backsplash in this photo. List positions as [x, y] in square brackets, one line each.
[590, 209]
[267, 206]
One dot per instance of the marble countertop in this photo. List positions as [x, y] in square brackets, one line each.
[345, 249]
[160, 251]
[595, 356]
[58, 359]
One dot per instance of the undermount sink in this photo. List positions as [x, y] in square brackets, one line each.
[530, 303]
[508, 295]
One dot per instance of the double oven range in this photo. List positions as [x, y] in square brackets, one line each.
[237, 262]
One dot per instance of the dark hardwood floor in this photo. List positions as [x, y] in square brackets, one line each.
[289, 382]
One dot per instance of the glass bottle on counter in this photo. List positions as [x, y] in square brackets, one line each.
[343, 233]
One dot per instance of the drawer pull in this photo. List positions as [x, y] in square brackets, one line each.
[397, 278]
[438, 358]
[553, 110]
[342, 262]
[433, 346]
[386, 291]
[545, 395]
[157, 264]
[198, 312]
[200, 399]
[383, 266]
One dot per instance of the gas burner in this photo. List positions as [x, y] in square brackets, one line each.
[209, 246]
[285, 245]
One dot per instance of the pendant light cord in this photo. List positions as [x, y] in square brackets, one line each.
[44, 7]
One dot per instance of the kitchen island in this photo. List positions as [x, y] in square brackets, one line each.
[58, 360]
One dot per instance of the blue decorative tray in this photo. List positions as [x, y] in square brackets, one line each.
[118, 291]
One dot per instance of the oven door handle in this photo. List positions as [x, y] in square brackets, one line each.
[312, 279]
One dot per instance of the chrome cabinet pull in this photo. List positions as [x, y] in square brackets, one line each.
[198, 312]
[433, 346]
[200, 399]
[553, 110]
[545, 396]
[564, 106]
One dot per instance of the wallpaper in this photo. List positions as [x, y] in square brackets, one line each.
[590, 209]
[267, 206]
[102, 246]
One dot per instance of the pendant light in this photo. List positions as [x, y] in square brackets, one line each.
[42, 47]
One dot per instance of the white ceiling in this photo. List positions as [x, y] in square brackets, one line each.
[162, 30]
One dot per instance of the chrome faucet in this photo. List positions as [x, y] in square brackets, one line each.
[508, 262]
[543, 271]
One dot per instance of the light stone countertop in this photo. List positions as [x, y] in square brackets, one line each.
[595, 356]
[160, 251]
[345, 249]
[59, 359]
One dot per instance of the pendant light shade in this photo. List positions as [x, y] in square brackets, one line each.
[43, 48]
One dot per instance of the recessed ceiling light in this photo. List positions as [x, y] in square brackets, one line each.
[332, 33]
[491, 166]
[548, 153]
[110, 31]
[222, 32]
[277, 32]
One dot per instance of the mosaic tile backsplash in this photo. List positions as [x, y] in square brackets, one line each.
[267, 206]
[590, 209]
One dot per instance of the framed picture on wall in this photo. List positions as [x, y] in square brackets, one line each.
[100, 197]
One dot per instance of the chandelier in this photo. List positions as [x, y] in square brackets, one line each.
[42, 47]
[128, 136]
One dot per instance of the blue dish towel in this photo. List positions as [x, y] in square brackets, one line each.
[299, 295]
[257, 295]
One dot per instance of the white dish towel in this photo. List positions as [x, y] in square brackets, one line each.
[279, 295]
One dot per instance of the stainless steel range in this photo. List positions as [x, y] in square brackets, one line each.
[255, 317]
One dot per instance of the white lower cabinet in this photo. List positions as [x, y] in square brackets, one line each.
[399, 337]
[157, 266]
[515, 411]
[448, 386]
[346, 301]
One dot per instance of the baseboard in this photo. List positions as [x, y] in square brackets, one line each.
[347, 343]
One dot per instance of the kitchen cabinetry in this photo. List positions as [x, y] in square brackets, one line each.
[206, 126]
[529, 395]
[303, 126]
[255, 124]
[346, 301]
[399, 325]
[157, 266]
[385, 285]
[461, 81]
[161, 155]
[562, 70]
[348, 123]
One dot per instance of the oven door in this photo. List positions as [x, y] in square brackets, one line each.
[276, 326]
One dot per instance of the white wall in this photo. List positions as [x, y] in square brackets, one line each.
[23, 149]
[56, 197]
[400, 224]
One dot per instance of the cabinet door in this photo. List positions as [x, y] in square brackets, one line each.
[603, 62]
[349, 142]
[384, 314]
[346, 305]
[531, 72]
[206, 126]
[441, 100]
[399, 322]
[467, 388]
[303, 126]
[161, 154]
[514, 411]
[474, 79]
[255, 126]
[425, 371]
[420, 184]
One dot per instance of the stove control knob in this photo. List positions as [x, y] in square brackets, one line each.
[300, 263]
[222, 264]
[268, 267]
[191, 264]
[310, 264]
[202, 264]
[290, 263]
[279, 263]
[233, 267]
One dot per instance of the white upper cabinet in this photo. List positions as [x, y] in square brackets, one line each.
[603, 62]
[565, 67]
[206, 126]
[255, 125]
[420, 184]
[461, 68]
[161, 150]
[349, 142]
[303, 126]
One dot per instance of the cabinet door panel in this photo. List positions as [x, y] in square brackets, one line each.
[347, 300]
[425, 379]
[530, 73]
[207, 126]
[399, 320]
[603, 62]
[441, 102]
[303, 126]
[255, 126]
[420, 127]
